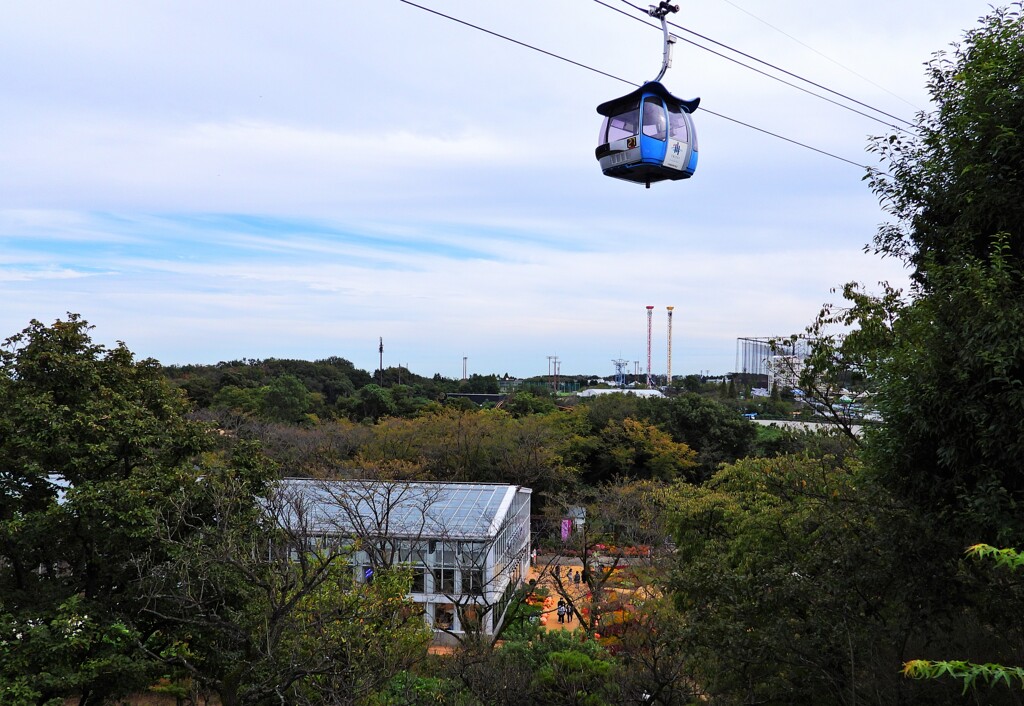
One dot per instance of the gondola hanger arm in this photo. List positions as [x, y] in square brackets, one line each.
[659, 12]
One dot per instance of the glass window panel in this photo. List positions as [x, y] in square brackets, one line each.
[677, 124]
[445, 581]
[473, 582]
[623, 125]
[444, 616]
[655, 122]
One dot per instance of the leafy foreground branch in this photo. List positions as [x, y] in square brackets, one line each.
[971, 673]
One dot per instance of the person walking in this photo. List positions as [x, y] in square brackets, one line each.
[561, 610]
[568, 611]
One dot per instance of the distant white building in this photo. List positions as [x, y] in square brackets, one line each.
[594, 392]
[467, 543]
[785, 370]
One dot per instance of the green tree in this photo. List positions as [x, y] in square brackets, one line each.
[285, 399]
[409, 400]
[546, 668]
[574, 678]
[92, 442]
[951, 395]
[374, 402]
[418, 689]
[636, 449]
[244, 401]
[955, 179]
[523, 403]
[651, 650]
[691, 383]
[951, 391]
[362, 634]
[478, 446]
[970, 673]
[480, 383]
[603, 409]
[257, 612]
[790, 586]
[850, 343]
[718, 434]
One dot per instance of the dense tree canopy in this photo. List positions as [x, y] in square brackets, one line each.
[956, 179]
[92, 442]
[800, 582]
[134, 548]
[951, 383]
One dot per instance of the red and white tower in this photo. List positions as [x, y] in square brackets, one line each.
[668, 372]
[650, 318]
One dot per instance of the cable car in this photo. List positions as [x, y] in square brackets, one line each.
[647, 135]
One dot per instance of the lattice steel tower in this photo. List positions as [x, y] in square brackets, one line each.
[620, 372]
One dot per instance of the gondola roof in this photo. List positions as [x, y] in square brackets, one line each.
[616, 105]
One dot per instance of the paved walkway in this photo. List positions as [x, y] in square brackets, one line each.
[542, 573]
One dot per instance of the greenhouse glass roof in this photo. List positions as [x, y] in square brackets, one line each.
[397, 508]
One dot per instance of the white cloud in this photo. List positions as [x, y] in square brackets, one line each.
[22, 275]
[284, 143]
[216, 181]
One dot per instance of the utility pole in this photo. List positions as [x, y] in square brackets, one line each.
[381, 351]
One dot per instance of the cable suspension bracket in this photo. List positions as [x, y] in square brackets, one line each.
[660, 12]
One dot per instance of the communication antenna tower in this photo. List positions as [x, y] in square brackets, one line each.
[650, 318]
[620, 372]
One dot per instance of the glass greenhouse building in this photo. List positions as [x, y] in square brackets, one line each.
[467, 543]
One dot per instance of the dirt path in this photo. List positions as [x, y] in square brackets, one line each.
[542, 573]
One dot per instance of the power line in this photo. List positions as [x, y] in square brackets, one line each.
[787, 139]
[769, 64]
[516, 41]
[773, 77]
[626, 81]
[821, 54]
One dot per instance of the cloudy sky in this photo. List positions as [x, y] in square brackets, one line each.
[209, 181]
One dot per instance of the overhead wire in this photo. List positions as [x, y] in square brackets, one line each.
[515, 41]
[628, 82]
[821, 54]
[772, 76]
[765, 63]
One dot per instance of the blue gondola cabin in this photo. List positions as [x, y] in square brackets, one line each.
[648, 136]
